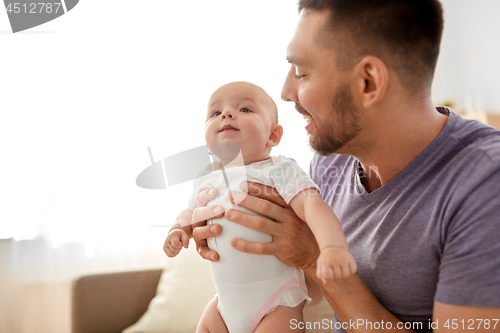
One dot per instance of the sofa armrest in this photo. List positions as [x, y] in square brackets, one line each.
[108, 303]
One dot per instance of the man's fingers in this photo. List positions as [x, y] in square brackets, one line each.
[251, 247]
[252, 221]
[261, 206]
[206, 213]
[205, 196]
[207, 231]
[200, 235]
[264, 192]
[208, 254]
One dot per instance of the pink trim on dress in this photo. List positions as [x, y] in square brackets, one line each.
[263, 310]
[274, 159]
[299, 189]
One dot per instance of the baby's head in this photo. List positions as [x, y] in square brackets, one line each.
[244, 114]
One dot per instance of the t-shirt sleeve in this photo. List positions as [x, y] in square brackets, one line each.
[469, 273]
[289, 179]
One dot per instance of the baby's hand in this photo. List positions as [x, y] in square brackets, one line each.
[335, 262]
[176, 239]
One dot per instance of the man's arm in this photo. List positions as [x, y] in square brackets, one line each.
[294, 243]
[454, 318]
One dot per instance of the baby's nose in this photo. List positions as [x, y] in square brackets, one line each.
[227, 114]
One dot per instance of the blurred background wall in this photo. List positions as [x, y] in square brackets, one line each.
[84, 95]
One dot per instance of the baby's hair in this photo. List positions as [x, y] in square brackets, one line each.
[274, 107]
[273, 104]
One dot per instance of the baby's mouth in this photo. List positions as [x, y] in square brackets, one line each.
[228, 128]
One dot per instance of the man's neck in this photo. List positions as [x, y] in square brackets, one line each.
[397, 143]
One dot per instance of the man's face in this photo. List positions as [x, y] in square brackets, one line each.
[320, 90]
[240, 113]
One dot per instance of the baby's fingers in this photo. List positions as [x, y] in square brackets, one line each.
[324, 272]
[337, 271]
[352, 266]
[176, 243]
[348, 266]
[171, 251]
[185, 240]
[346, 270]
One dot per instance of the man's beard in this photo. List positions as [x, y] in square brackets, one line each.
[329, 138]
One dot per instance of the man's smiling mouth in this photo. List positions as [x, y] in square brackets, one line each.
[307, 116]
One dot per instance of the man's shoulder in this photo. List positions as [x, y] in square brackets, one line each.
[327, 168]
[476, 141]
[321, 164]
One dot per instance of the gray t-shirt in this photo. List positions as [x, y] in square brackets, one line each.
[433, 231]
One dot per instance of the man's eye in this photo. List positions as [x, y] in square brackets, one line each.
[298, 75]
[245, 110]
[216, 113]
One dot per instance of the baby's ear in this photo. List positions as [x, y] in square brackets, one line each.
[275, 136]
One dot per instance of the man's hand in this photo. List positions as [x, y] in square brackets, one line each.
[293, 242]
[201, 231]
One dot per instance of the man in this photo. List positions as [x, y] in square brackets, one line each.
[415, 188]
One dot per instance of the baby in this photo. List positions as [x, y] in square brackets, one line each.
[257, 293]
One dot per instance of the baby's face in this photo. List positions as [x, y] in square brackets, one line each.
[243, 114]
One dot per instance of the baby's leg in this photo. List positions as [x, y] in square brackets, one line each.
[283, 319]
[211, 321]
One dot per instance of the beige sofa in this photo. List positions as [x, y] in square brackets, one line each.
[109, 303]
[168, 300]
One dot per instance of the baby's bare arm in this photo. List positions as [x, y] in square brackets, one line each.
[310, 207]
[183, 222]
[179, 234]
[334, 261]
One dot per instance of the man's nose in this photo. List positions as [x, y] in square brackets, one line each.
[227, 114]
[289, 90]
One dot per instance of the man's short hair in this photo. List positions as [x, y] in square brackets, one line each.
[404, 33]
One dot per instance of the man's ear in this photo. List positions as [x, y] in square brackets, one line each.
[275, 137]
[371, 80]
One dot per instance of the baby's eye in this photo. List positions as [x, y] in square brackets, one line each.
[245, 110]
[216, 113]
